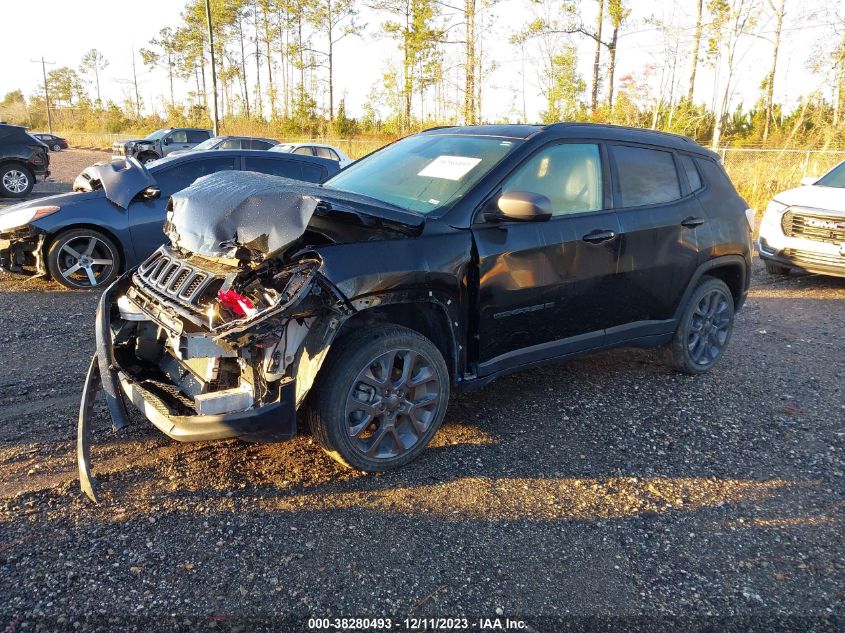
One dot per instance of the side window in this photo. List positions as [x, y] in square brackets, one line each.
[179, 136]
[334, 155]
[182, 175]
[567, 174]
[197, 136]
[325, 152]
[303, 151]
[646, 176]
[693, 176]
[313, 173]
[230, 144]
[286, 168]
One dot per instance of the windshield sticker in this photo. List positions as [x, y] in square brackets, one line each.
[449, 167]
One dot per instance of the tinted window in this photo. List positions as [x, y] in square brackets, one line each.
[646, 176]
[568, 174]
[313, 173]
[692, 172]
[303, 151]
[255, 144]
[180, 176]
[197, 136]
[325, 152]
[180, 136]
[230, 144]
[286, 168]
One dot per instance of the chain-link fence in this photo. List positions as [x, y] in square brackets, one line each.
[759, 174]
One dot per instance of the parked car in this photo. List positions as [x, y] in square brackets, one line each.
[231, 142]
[160, 143]
[114, 218]
[442, 261]
[55, 143]
[22, 160]
[314, 149]
[804, 228]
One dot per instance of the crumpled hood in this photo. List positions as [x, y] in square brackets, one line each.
[230, 210]
[121, 179]
[226, 211]
[826, 198]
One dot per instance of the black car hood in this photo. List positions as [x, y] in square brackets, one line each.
[121, 179]
[223, 213]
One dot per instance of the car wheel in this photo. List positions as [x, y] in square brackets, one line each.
[776, 269]
[83, 259]
[146, 158]
[379, 399]
[705, 328]
[16, 181]
[57, 147]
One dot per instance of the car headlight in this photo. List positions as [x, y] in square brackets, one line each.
[21, 217]
[773, 212]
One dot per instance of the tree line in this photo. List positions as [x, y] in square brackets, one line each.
[274, 64]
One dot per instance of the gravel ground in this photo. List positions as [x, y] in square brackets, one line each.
[606, 486]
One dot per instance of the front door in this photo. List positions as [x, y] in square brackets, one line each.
[543, 285]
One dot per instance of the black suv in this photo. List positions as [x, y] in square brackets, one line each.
[22, 159]
[160, 143]
[441, 261]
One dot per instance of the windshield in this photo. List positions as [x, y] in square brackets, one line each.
[156, 135]
[425, 172]
[209, 143]
[834, 178]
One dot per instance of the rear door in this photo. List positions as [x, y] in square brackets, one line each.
[660, 219]
[544, 286]
[146, 217]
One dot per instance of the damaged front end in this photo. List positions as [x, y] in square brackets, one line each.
[220, 341]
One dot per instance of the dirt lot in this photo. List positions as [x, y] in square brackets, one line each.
[607, 486]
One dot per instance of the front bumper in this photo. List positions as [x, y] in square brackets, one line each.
[811, 256]
[23, 248]
[270, 421]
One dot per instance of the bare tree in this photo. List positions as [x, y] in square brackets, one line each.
[597, 59]
[94, 61]
[779, 10]
[696, 43]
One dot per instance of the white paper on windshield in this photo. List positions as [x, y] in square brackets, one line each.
[449, 167]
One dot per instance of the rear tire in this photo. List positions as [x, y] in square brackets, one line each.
[57, 148]
[16, 180]
[776, 269]
[705, 328]
[82, 259]
[379, 399]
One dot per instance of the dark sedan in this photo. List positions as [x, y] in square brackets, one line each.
[55, 143]
[113, 220]
[230, 142]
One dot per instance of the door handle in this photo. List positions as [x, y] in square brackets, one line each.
[598, 236]
[692, 222]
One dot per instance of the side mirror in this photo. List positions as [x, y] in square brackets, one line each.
[809, 180]
[151, 193]
[520, 206]
[166, 140]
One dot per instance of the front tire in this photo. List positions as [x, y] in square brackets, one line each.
[379, 399]
[146, 157]
[57, 148]
[81, 259]
[705, 328]
[16, 181]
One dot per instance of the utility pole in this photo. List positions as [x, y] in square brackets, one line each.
[214, 123]
[46, 93]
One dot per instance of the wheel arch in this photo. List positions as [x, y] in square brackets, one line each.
[731, 269]
[429, 318]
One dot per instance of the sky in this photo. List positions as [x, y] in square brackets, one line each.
[68, 28]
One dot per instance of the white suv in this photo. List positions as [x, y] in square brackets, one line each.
[804, 228]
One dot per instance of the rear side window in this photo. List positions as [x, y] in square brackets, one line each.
[303, 151]
[286, 168]
[313, 173]
[255, 144]
[646, 176]
[197, 136]
[182, 175]
[325, 152]
[691, 171]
